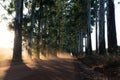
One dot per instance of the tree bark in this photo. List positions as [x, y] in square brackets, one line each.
[102, 28]
[17, 51]
[111, 32]
[80, 43]
[39, 28]
[89, 46]
[96, 23]
[31, 29]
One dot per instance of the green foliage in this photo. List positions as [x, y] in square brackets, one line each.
[62, 20]
[11, 7]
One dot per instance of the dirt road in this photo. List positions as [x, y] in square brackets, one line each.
[57, 69]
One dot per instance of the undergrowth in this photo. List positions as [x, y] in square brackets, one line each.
[108, 65]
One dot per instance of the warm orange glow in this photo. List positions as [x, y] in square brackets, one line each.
[64, 55]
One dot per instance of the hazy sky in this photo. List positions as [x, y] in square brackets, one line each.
[117, 13]
[6, 37]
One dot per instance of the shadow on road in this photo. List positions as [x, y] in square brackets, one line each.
[17, 72]
[59, 69]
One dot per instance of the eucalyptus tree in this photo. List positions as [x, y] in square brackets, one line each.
[111, 26]
[82, 25]
[40, 16]
[96, 23]
[41, 21]
[21, 31]
[94, 18]
[50, 27]
[58, 22]
[27, 32]
[17, 51]
[76, 12]
[55, 24]
[89, 46]
[61, 13]
[30, 42]
[73, 26]
[102, 49]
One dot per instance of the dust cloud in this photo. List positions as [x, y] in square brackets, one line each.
[6, 56]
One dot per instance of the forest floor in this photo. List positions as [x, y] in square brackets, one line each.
[50, 69]
[108, 65]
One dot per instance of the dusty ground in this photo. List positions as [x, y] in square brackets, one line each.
[54, 69]
[42, 70]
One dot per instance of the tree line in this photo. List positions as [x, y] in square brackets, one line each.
[51, 26]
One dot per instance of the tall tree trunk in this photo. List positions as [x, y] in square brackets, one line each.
[80, 43]
[102, 28]
[78, 40]
[96, 23]
[58, 32]
[89, 46]
[17, 51]
[86, 43]
[44, 31]
[39, 28]
[111, 32]
[31, 29]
